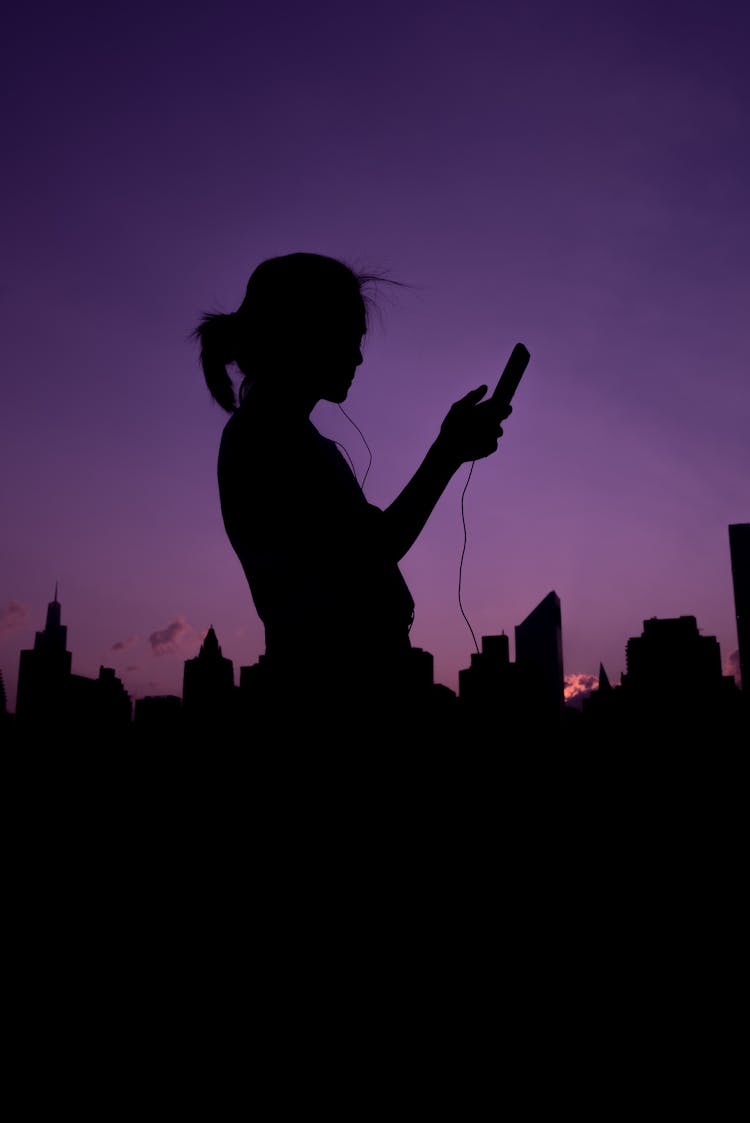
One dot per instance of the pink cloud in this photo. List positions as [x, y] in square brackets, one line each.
[732, 666]
[13, 616]
[579, 686]
[124, 644]
[168, 640]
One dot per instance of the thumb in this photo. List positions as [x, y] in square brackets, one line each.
[473, 396]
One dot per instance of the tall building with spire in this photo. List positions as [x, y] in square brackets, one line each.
[52, 702]
[209, 696]
[44, 674]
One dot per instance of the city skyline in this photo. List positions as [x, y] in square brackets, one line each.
[576, 687]
[571, 177]
[674, 695]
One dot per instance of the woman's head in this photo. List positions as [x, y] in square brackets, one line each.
[302, 318]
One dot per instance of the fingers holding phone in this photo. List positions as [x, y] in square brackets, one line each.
[507, 384]
[472, 427]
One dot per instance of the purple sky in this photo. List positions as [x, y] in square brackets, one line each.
[575, 176]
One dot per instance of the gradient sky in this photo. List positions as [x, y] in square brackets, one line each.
[575, 176]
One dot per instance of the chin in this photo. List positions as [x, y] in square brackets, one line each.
[339, 394]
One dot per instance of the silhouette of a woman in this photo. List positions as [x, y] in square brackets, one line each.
[320, 560]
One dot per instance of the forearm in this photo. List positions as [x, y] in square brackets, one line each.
[406, 516]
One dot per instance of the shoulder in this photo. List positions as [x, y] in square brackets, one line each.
[249, 434]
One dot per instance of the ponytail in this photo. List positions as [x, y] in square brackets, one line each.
[284, 297]
[216, 335]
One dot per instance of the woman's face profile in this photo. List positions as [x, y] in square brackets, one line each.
[333, 350]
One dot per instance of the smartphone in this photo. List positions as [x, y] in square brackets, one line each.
[507, 384]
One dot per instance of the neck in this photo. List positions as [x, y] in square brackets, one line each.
[282, 398]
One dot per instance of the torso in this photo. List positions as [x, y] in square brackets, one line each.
[309, 544]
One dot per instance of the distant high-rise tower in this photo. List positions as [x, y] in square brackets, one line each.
[671, 658]
[739, 550]
[487, 680]
[53, 703]
[44, 673]
[674, 685]
[539, 658]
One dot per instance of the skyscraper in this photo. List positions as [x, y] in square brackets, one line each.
[208, 690]
[674, 691]
[44, 673]
[672, 659]
[52, 703]
[739, 551]
[539, 657]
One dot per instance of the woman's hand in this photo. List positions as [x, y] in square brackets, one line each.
[471, 429]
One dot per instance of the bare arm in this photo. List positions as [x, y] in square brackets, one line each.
[470, 431]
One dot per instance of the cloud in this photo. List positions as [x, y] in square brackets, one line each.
[578, 687]
[732, 666]
[168, 640]
[13, 616]
[133, 667]
[124, 644]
